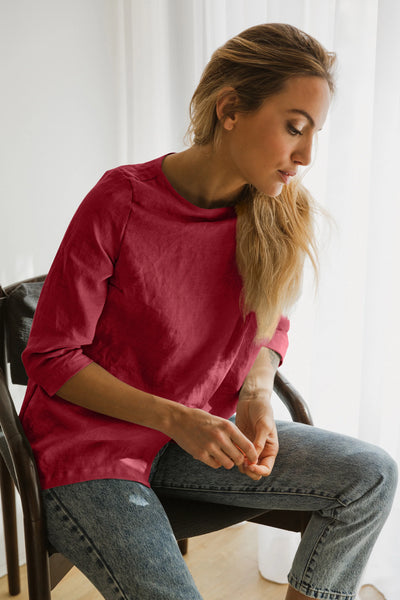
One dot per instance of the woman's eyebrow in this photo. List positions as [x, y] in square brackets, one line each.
[304, 113]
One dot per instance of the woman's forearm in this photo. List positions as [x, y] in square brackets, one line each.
[96, 389]
[209, 438]
[259, 381]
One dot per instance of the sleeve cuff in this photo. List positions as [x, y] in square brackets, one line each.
[53, 376]
[280, 340]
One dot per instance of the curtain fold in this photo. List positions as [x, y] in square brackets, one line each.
[344, 340]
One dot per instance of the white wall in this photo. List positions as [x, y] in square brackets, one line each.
[59, 123]
[58, 114]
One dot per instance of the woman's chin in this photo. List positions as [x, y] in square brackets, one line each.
[272, 189]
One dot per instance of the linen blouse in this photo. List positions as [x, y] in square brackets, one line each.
[146, 285]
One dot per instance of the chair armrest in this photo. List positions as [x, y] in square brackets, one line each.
[293, 401]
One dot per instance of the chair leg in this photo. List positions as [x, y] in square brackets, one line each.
[59, 567]
[183, 546]
[304, 520]
[37, 561]
[10, 529]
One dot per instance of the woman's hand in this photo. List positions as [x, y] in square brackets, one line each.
[213, 440]
[254, 418]
[254, 415]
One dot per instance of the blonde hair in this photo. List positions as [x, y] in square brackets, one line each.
[274, 234]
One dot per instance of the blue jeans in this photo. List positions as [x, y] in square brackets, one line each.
[116, 532]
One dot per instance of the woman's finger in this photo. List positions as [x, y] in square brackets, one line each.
[245, 446]
[245, 470]
[212, 462]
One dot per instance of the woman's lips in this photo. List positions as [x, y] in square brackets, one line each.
[286, 176]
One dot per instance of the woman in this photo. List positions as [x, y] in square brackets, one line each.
[162, 316]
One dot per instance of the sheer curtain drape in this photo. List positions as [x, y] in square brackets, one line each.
[344, 351]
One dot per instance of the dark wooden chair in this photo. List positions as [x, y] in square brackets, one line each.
[45, 566]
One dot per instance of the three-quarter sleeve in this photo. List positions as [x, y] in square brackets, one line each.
[75, 290]
[280, 340]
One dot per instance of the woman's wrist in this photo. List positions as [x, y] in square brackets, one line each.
[262, 396]
[169, 415]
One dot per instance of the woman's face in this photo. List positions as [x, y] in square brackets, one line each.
[265, 148]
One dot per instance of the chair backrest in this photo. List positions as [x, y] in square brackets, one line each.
[17, 306]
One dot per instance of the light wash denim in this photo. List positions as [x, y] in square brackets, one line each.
[116, 532]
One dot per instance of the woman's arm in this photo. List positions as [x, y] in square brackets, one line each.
[96, 389]
[208, 438]
[260, 378]
[254, 414]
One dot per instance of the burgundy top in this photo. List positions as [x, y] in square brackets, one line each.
[146, 285]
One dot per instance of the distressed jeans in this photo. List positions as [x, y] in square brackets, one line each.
[116, 532]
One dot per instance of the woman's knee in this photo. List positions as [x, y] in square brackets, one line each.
[378, 473]
[388, 476]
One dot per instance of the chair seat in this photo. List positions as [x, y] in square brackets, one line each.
[190, 518]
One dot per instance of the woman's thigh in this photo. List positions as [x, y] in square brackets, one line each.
[117, 533]
[314, 469]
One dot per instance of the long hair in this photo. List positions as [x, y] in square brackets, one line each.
[274, 234]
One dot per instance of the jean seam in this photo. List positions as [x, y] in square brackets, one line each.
[308, 569]
[203, 488]
[303, 584]
[306, 588]
[87, 538]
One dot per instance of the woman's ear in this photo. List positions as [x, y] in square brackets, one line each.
[226, 107]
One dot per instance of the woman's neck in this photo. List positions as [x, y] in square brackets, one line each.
[203, 177]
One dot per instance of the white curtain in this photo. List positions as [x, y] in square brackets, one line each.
[344, 341]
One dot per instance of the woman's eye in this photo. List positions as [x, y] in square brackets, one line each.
[292, 130]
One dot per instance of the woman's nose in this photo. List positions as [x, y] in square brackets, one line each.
[303, 152]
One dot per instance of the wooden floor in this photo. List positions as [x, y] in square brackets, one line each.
[223, 564]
